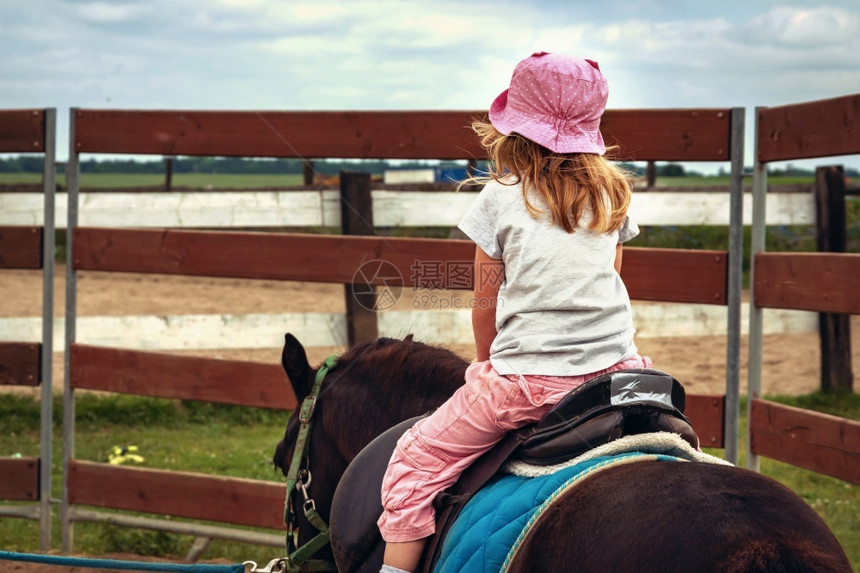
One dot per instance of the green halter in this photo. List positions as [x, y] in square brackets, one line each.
[298, 557]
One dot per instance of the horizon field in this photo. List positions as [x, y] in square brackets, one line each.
[250, 181]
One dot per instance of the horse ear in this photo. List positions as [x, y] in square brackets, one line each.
[294, 359]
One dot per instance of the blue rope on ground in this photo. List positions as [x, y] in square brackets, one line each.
[121, 565]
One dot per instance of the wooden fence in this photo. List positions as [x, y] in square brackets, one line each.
[651, 274]
[822, 282]
[29, 363]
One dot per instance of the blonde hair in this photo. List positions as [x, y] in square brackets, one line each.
[572, 184]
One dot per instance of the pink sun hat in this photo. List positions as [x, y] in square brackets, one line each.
[555, 100]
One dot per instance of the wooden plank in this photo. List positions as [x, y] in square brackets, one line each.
[823, 282]
[819, 128]
[707, 415]
[22, 130]
[178, 494]
[676, 275]
[19, 479]
[20, 363]
[300, 134]
[300, 257]
[664, 134]
[670, 275]
[181, 377]
[668, 134]
[818, 442]
[20, 247]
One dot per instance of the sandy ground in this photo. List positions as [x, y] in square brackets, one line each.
[790, 366]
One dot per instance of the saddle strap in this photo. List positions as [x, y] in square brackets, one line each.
[450, 502]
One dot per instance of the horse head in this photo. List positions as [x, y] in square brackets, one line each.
[320, 466]
[371, 387]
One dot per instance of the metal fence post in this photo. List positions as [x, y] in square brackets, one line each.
[72, 185]
[757, 245]
[736, 253]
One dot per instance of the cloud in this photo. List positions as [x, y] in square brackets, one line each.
[391, 54]
[806, 28]
[103, 12]
[765, 60]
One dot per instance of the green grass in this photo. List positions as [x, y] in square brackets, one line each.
[234, 441]
[725, 180]
[189, 436]
[228, 180]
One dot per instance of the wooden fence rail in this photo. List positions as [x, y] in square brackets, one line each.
[822, 282]
[180, 494]
[20, 247]
[668, 135]
[24, 130]
[20, 479]
[824, 444]
[252, 384]
[20, 363]
[822, 128]
[669, 275]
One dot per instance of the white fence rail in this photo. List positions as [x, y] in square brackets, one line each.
[250, 209]
[217, 331]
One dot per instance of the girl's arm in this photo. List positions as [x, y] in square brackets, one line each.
[489, 274]
[618, 251]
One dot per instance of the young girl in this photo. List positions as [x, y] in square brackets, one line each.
[550, 310]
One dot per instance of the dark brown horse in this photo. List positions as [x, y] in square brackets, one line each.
[648, 516]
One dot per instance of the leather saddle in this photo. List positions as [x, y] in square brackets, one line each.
[603, 409]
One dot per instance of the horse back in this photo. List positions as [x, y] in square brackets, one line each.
[655, 516]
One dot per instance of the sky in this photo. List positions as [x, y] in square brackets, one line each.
[397, 54]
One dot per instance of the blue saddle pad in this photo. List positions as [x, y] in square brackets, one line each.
[497, 518]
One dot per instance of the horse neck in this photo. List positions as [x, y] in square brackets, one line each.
[372, 406]
[378, 384]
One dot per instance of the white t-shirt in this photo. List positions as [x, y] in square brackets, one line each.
[562, 310]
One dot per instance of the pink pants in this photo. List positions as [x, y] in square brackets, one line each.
[434, 452]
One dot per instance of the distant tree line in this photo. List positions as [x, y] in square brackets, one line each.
[240, 165]
[21, 164]
[232, 165]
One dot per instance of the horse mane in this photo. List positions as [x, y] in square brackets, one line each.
[388, 380]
